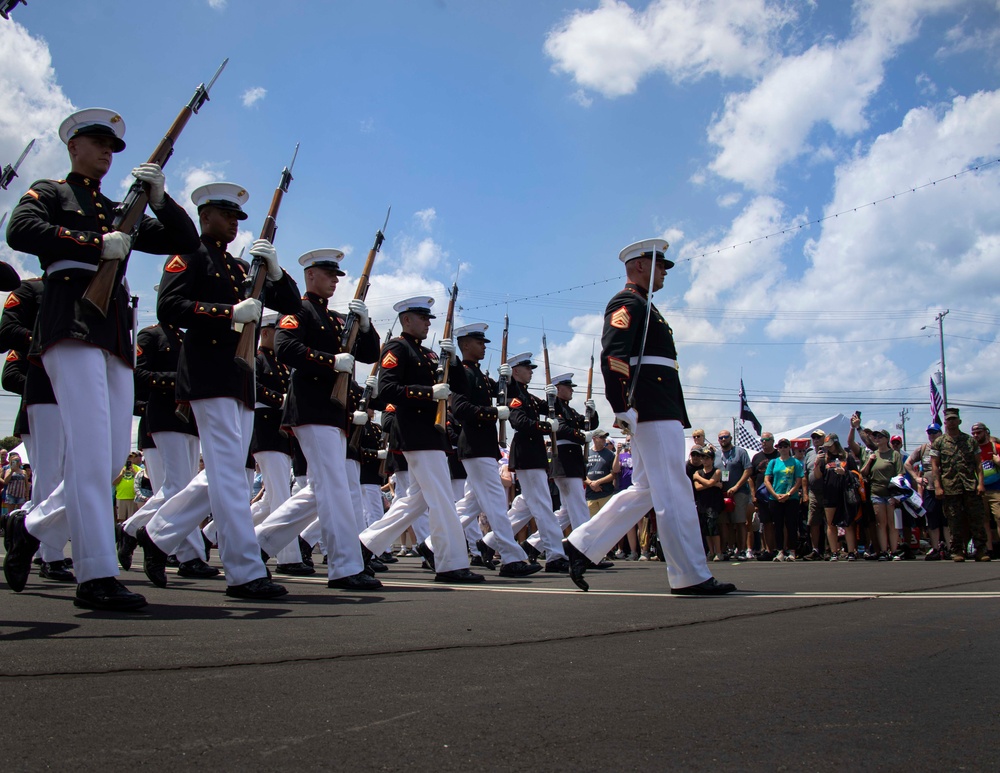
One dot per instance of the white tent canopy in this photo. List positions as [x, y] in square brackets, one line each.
[839, 425]
[21, 451]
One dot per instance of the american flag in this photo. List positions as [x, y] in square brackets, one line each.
[746, 439]
[937, 403]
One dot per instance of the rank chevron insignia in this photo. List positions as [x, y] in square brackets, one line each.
[12, 301]
[621, 319]
[289, 322]
[389, 361]
[175, 265]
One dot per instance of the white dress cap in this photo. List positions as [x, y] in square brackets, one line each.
[94, 121]
[228, 196]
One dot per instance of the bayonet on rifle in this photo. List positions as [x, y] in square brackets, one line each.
[10, 171]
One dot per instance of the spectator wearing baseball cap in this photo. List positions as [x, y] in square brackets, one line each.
[918, 466]
[958, 482]
[815, 514]
[883, 464]
[783, 479]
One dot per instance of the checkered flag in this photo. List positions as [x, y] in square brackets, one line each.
[746, 439]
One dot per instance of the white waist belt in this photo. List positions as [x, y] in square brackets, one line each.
[260, 405]
[65, 265]
[567, 443]
[666, 362]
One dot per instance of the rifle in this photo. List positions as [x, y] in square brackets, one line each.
[254, 284]
[135, 331]
[590, 389]
[444, 364]
[9, 5]
[10, 171]
[366, 395]
[3, 219]
[548, 380]
[502, 382]
[128, 214]
[351, 325]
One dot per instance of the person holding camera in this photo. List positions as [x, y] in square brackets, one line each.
[124, 485]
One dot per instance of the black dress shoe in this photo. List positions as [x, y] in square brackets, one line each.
[108, 594]
[711, 587]
[69, 563]
[56, 571]
[172, 561]
[519, 569]
[427, 554]
[557, 565]
[388, 558]
[197, 569]
[602, 564]
[359, 581]
[478, 562]
[578, 565]
[461, 576]
[208, 546]
[377, 564]
[154, 560]
[296, 570]
[531, 550]
[488, 553]
[260, 589]
[307, 552]
[125, 546]
[20, 547]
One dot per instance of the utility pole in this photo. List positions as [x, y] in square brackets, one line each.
[901, 426]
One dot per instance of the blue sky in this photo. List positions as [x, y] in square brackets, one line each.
[527, 142]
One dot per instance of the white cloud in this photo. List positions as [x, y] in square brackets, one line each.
[252, 96]
[729, 200]
[32, 105]
[426, 217]
[218, 5]
[831, 83]
[611, 48]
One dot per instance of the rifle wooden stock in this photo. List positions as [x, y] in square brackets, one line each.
[444, 365]
[128, 214]
[502, 383]
[352, 324]
[246, 348]
[550, 399]
[590, 392]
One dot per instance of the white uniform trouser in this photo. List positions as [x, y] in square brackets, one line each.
[225, 425]
[658, 482]
[94, 391]
[430, 489]
[421, 525]
[484, 492]
[470, 522]
[371, 501]
[574, 510]
[326, 497]
[536, 502]
[176, 456]
[46, 446]
[352, 469]
[152, 462]
[276, 471]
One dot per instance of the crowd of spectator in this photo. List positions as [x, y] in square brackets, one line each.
[821, 498]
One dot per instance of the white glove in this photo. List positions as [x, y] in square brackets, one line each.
[247, 311]
[115, 245]
[448, 346]
[372, 383]
[627, 420]
[264, 250]
[441, 391]
[360, 418]
[588, 435]
[505, 370]
[553, 423]
[343, 362]
[152, 175]
[382, 453]
[550, 390]
[590, 405]
[503, 413]
[357, 306]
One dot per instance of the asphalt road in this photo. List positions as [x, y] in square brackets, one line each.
[811, 666]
